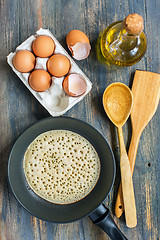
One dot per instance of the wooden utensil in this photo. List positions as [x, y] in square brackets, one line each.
[117, 102]
[146, 93]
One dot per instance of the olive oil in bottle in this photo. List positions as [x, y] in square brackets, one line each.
[124, 43]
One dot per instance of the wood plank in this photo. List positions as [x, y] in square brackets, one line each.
[19, 109]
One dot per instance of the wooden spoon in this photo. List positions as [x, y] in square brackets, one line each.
[117, 102]
[146, 92]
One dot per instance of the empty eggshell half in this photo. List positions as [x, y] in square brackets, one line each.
[78, 44]
[74, 85]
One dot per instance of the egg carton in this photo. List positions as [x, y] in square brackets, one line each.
[55, 100]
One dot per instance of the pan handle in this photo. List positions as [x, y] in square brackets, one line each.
[102, 218]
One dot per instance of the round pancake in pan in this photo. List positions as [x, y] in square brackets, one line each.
[61, 166]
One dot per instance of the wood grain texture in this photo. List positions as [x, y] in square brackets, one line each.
[19, 109]
[144, 108]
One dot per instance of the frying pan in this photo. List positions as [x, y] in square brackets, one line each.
[90, 205]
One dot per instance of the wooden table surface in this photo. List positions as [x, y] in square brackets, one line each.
[19, 109]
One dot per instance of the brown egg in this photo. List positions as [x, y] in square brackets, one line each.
[58, 65]
[74, 85]
[24, 61]
[43, 46]
[78, 44]
[39, 80]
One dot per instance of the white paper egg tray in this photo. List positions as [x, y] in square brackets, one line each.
[54, 99]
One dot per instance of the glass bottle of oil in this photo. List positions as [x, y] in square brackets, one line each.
[124, 43]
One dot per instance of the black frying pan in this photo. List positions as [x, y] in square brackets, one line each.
[91, 205]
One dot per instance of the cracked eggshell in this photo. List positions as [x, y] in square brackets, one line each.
[80, 51]
[78, 44]
[74, 85]
[54, 100]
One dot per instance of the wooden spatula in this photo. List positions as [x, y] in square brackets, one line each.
[146, 94]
